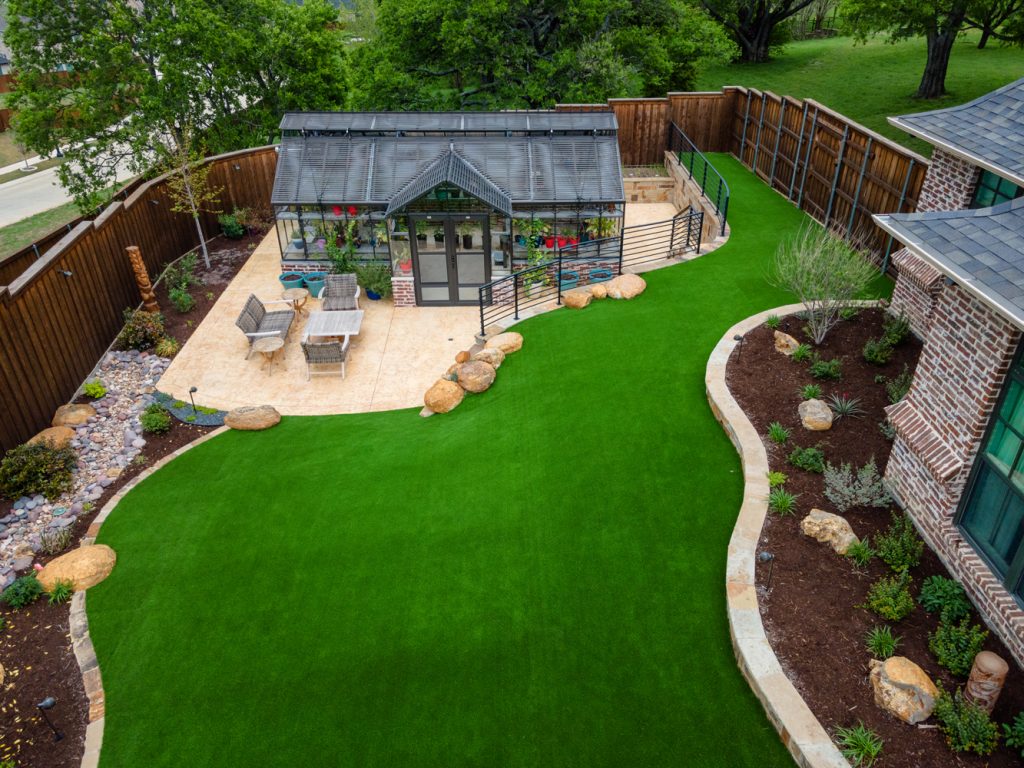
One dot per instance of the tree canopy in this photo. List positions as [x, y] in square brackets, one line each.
[480, 54]
[753, 23]
[113, 83]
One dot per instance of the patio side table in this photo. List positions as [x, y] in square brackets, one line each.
[268, 346]
[298, 297]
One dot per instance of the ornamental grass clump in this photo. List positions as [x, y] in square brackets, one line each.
[62, 591]
[782, 502]
[845, 490]
[860, 745]
[777, 433]
[861, 552]
[881, 642]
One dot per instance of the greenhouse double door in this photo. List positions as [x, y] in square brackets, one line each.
[451, 257]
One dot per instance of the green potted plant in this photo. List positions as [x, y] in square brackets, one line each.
[439, 235]
[466, 230]
[376, 279]
[421, 230]
[601, 227]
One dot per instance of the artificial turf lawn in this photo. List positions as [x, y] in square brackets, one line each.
[536, 579]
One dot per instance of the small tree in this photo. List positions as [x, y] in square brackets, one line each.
[188, 185]
[824, 273]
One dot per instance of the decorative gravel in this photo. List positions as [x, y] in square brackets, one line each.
[186, 413]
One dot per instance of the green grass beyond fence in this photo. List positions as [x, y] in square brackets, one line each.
[536, 579]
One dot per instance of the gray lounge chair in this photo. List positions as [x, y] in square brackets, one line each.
[257, 323]
[325, 353]
[340, 293]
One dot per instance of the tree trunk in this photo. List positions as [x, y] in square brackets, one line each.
[986, 33]
[933, 82]
[202, 240]
[754, 43]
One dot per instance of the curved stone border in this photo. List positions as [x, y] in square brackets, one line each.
[81, 643]
[806, 739]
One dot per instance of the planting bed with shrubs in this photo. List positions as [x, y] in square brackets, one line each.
[827, 615]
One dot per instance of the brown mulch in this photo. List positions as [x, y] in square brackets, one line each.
[810, 607]
[35, 644]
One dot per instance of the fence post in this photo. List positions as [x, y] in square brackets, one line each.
[860, 181]
[799, 150]
[807, 159]
[515, 293]
[835, 176]
[778, 139]
[899, 208]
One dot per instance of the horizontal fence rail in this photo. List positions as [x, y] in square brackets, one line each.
[712, 185]
[594, 261]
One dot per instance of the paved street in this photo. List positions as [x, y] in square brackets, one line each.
[33, 194]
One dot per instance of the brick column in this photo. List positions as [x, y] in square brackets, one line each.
[939, 426]
[404, 291]
[917, 288]
[949, 184]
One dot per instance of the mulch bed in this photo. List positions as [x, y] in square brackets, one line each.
[35, 643]
[810, 607]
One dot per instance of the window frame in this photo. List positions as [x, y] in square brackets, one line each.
[996, 184]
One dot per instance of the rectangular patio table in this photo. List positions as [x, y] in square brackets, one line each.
[343, 323]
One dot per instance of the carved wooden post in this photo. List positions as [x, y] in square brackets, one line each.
[149, 302]
[986, 681]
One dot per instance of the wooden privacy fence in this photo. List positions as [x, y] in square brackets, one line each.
[59, 315]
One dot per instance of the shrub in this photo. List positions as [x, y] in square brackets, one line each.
[861, 552]
[887, 429]
[848, 313]
[945, 596]
[778, 433]
[890, 597]
[899, 546]
[1014, 733]
[955, 645]
[801, 353]
[23, 591]
[845, 491]
[155, 420]
[33, 468]
[782, 502]
[142, 330]
[881, 642]
[231, 226]
[168, 346]
[843, 405]
[810, 459]
[776, 479]
[895, 330]
[376, 278]
[860, 745]
[827, 369]
[967, 727]
[94, 389]
[877, 352]
[810, 392]
[896, 389]
[182, 300]
[61, 592]
[54, 540]
[182, 273]
[773, 322]
[824, 274]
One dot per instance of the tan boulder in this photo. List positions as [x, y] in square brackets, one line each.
[626, 286]
[903, 689]
[599, 291]
[815, 415]
[83, 567]
[73, 415]
[462, 357]
[577, 298]
[507, 342]
[785, 343]
[57, 436]
[253, 417]
[830, 529]
[493, 357]
[443, 396]
[476, 376]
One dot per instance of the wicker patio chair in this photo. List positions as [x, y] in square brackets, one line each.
[340, 293]
[325, 353]
[256, 323]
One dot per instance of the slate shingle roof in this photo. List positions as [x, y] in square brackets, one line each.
[988, 132]
[981, 249]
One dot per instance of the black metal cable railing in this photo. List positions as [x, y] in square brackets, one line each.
[712, 185]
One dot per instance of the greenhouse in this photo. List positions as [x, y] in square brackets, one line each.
[450, 200]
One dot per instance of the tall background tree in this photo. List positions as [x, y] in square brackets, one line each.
[1002, 19]
[754, 24]
[479, 54]
[938, 21]
[114, 82]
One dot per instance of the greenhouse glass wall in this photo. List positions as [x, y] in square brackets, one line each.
[449, 201]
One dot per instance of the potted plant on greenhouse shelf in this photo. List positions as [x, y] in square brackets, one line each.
[380, 234]
[439, 235]
[600, 227]
[466, 230]
[421, 230]
[298, 239]
[376, 279]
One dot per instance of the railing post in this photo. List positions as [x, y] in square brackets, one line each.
[700, 230]
[725, 215]
[483, 332]
[692, 154]
[672, 239]
[559, 252]
[515, 293]
[622, 238]
[704, 179]
[689, 229]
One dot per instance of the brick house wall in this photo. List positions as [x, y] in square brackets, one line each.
[403, 290]
[939, 425]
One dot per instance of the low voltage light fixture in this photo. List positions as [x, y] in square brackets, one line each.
[192, 391]
[767, 557]
[44, 707]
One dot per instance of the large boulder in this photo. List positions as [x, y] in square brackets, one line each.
[462, 357]
[443, 396]
[253, 417]
[577, 298]
[475, 376]
[830, 529]
[626, 286]
[83, 567]
[599, 291]
[903, 689]
[507, 342]
[57, 436]
[785, 343]
[493, 357]
[815, 415]
[73, 415]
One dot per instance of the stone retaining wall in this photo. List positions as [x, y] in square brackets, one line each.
[687, 194]
[649, 189]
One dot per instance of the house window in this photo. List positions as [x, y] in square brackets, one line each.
[992, 510]
[993, 190]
